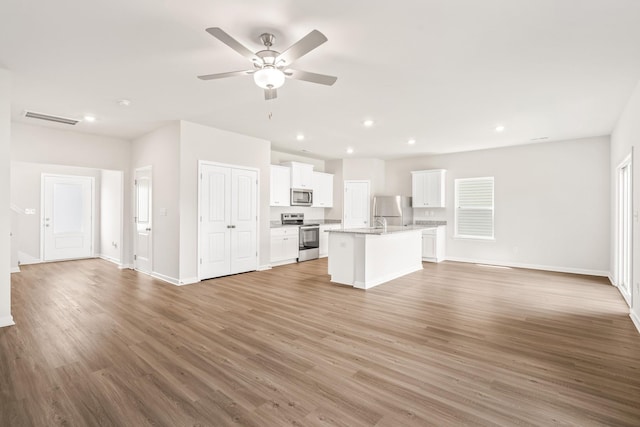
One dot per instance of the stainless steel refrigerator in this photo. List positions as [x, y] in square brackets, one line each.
[396, 209]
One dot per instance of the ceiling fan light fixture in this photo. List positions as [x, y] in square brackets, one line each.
[269, 78]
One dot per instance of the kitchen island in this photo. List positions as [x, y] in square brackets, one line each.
[367, 257]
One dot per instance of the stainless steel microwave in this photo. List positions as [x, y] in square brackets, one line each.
[301, 197]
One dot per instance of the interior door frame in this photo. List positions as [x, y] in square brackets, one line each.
[93, 211]
[627, 162]
[202, 163]
[135, 218]
[344, 190]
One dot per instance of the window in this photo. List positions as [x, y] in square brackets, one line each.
[474, 208]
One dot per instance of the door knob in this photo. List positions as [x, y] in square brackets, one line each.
[147, 229]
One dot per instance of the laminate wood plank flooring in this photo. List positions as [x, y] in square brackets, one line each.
[453, 344]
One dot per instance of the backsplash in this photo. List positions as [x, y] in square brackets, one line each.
[310, 213]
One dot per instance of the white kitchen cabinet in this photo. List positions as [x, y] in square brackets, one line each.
[301, 175]
[433, 244]
[324, 238]
[284, 245]
[322, 190]
[280, 186]
[428, 188]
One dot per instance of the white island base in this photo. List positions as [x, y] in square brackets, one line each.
[364, 260]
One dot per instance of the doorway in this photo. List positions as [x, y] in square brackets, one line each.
[357, 204]
[624, 228]
[143, 237]
[67, 217]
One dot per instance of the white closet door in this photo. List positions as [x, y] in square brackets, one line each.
[243, 220]
[67, 217]
[215, 225]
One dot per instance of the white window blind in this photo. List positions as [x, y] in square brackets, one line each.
[474, 208]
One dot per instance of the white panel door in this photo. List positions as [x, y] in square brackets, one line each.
[356, 204]
[244, 219]
[67, 217]
[215, 221]
[143, 238]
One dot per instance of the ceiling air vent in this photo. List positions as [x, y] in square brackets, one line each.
[50, 118]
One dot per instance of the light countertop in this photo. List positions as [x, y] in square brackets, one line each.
[380, 231]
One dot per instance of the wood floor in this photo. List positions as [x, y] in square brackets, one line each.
[454, 344]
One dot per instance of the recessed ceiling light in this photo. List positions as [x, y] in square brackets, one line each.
[499, 128]
[124, 102]
[349, 150]
[368, 123]
[411, 141]
[300, 137]
[89, 118]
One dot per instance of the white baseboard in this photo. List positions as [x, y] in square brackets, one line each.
[6, 321]
[613, 282]
[287, 261]
[110, 259]
[189, 281]
[15, 269]
[164, 278]
[635, 319]
[123, 266]
[264, 267]
[572, 270]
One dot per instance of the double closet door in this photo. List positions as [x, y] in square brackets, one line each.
[228, 220]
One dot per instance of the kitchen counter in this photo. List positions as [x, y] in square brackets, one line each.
[367, 257]
[380, 230]
[278, 224]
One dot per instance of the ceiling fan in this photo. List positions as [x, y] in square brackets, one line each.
[270, 67]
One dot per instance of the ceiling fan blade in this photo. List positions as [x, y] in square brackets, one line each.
[229, 74]
[322, 79]
[232, 43]
[270, 94]
[303, 46]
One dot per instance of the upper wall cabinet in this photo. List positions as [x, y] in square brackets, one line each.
[280, 186]
[428, 188]
[301, 175]
[322, 190]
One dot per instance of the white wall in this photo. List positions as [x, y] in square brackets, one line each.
[39, 144]
[160, 149]
[626, 137]
[26, 183]
[372, 170]
[111, 215]
[278, 157]
[198, 142]
[551, 203]
[5, 217]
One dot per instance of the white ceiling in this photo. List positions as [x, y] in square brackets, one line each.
[445, 72]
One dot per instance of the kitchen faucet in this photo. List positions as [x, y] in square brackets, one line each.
[382, 221]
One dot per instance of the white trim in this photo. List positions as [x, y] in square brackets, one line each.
[557, 269]
[6, 321]
[189, 281]
[627, 162]
[125, 266]
[162, 277]
[264, 267]
[284, 262]
[15, 269]
[456, 208]
[635, 319]
[613, 282]
[110, 259]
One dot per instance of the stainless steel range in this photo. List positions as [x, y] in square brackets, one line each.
[309, 236]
